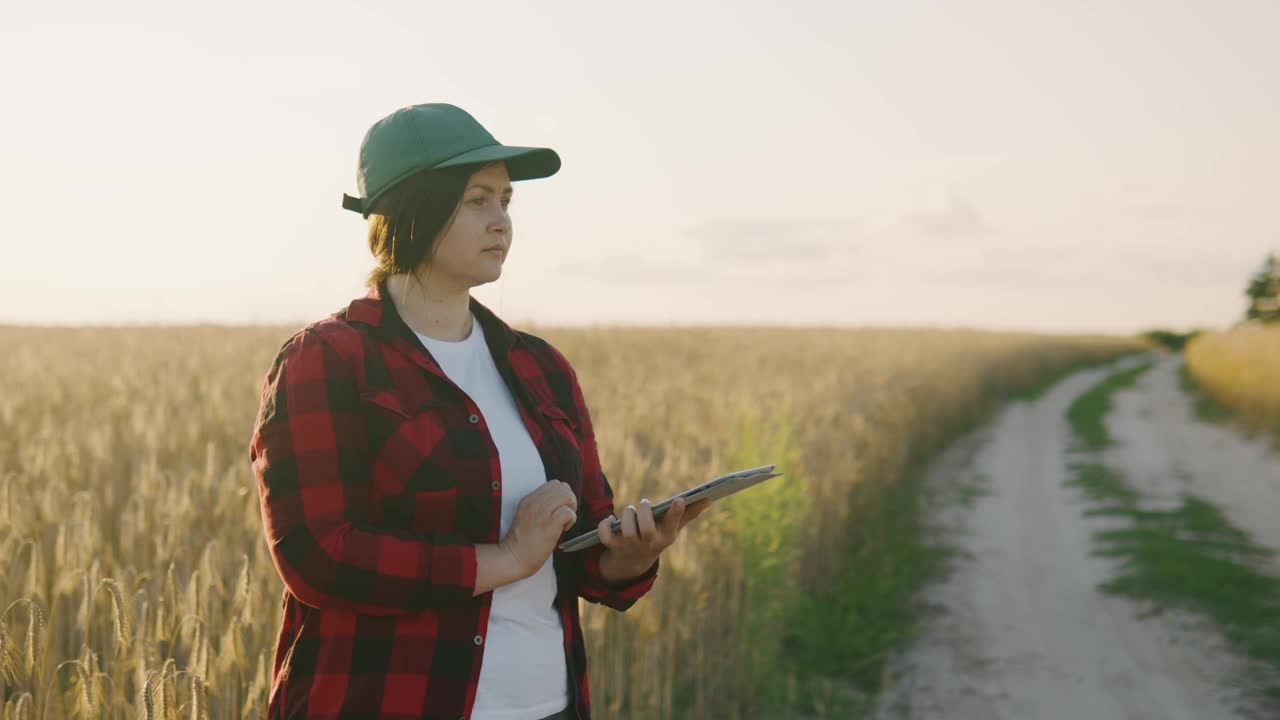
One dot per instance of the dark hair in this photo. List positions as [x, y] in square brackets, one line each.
[408, 218]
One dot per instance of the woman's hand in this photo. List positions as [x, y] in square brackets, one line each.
[642, 538]
[541, 518]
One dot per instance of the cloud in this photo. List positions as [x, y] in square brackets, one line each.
[632, 269]
[771, 240]
[1019, 267]
[1049, 267]
[1144, 200]
[1207, 270]
[1135, 187]
[636, 271]
[733, 252]
[956, 217]
[1156, 209]
[1022, 256]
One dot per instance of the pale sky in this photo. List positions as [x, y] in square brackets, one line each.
[1057, 165]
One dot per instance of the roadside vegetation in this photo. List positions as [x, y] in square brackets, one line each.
[1235, 376]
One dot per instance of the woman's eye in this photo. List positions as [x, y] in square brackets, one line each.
[478, 201]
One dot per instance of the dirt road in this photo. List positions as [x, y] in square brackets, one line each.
[1164, 450]
[1017, 628]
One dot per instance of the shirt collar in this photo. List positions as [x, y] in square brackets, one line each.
[377, 311]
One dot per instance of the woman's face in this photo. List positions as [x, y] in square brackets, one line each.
[480, 222]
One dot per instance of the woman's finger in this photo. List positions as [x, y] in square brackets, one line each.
[608, 537]
[694, 511]
[644, 522]
[569, 498]
[629, 530]
[568, 516]
[554, 492]
[673, 520]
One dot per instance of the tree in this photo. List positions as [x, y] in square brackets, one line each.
[1264, 292]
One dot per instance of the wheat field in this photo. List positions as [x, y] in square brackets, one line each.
[1240, 370]
[135, 580]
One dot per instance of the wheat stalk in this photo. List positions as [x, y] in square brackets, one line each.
[199, 700]
[121, 612]
[148, 706]
[35, 638]
[9, 659]
[24, 707]
[83, 688]
[242, 602]
[168, 703]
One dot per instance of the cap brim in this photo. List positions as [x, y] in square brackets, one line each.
[523, 163]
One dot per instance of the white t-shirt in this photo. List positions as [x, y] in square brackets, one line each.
[523, 673]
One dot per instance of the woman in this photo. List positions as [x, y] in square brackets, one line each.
[418, 461]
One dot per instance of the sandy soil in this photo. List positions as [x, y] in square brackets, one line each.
[1017, 628]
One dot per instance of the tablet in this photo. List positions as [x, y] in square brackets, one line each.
[713, 489]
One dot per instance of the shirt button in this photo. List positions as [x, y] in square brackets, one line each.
[478, 640]
[494, 484]
[474, 419]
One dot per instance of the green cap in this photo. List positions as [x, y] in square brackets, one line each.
[435, 135]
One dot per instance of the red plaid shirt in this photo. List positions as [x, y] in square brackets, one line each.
[377, 478]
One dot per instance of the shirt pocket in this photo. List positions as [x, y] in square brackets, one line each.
[397, 403]
[566, 444]
[396, 419]
[412, 484]
[560, 422]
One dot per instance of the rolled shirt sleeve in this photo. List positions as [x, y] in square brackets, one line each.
[310, 458]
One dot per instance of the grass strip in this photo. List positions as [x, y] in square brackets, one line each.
[1088, 412]
[1036, 389]
[1189, 557]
